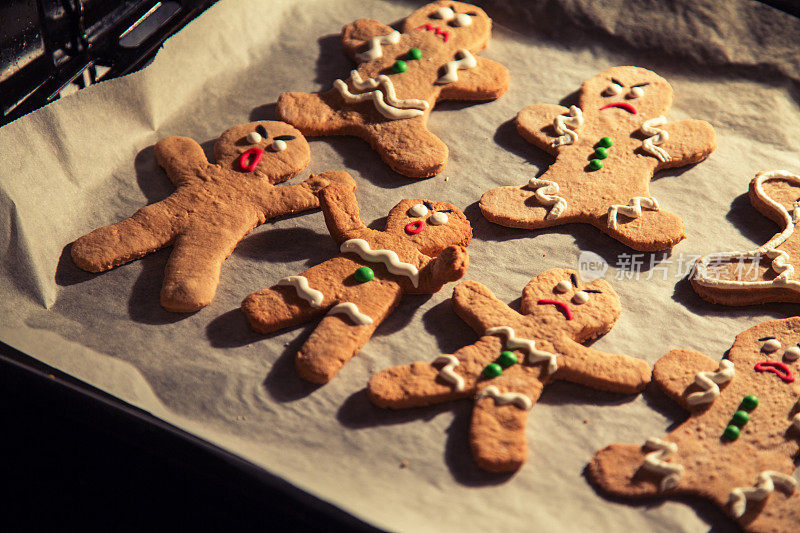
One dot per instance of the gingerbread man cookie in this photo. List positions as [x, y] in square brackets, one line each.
[516, 356]
[767, 273]
[421, 249]
[386, 100]
[607, 149]
[213, 207]
[741, 439]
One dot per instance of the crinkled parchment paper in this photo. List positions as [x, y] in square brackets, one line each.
[88, 161]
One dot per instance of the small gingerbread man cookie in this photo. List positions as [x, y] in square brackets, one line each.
[422, 248]
[386, 100]
[213, 207]
[607, 149]
[767, 273]
[740, 442]
[517, 355]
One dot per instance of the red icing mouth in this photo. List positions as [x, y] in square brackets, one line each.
[777, 368]
[445, 34]
[564, 308]
[412, 228]
[621, 105]
[256, 154]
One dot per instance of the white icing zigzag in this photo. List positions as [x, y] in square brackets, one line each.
[710, 382]
[375, 51]
[534, 355]
[382, 95]
[780, 259]
[387, 257]
[464, 60]
[304, 291]
[503, 398]
[447, 373]
[655, 136]
[565, 126]
[656, 462]
[633, 209]
[767, 480]
[351, 310]
[546, 194]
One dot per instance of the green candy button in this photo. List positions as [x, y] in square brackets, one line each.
[740, 418]
[606, 142]
[414, 53]
[595, 164]
[399, 66]
[749, 402]
[600, 152]
[492, 370]
[731, 432]
[506, 359]
[364, 274]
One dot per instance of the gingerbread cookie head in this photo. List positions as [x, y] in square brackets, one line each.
[457, 24]
[627, 94]
[267, 149]
[562, 300]
[431, 226]
[771, 350]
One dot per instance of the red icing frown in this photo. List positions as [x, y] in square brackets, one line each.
[564, 308]
[777, 368]
[621, 105]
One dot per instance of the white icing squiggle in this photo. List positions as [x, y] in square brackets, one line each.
[633, 209]
[503, 398]
[387, 257]
[375, 49]
[546, 194]
[464, 60]
[447, 372]
[534, 355]
[383, 95]
[565, 126]
[304, 291]
[780, 259]
[655, 136]
[351, 310]
[656, 462]
[767, 480]
[710, 382]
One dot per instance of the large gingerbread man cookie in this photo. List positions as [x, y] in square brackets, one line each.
[421, 249]
[740, 442]
[607, 149]
[767, 273]
[517, 355]
[386, 100]
[213, 207]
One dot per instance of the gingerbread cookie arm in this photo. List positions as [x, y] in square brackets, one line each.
[536, 125]
[289, 199]
[450, 265]
[688, 142]
[478, 307]
[488, 80]
[497, 429]
[342, 217]
[345, 330]
[314, 114]
[602, 371]
[618, 470]
[362, 39]
[687, 377]
[182, 159]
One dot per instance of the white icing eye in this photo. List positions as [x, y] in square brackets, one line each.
[580, 298]
[791, 354]
[563, 286]
[444, 13]
[636, 92]
[772, 345]
[254, 137]
[418, 211]
[613, 90]
[438, 218]
[278, 146]
[462, 19]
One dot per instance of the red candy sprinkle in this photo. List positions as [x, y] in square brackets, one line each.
[412, 228]
[561, 305]
[436, 31]
[256, 153]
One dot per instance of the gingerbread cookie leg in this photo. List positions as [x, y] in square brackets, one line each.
[407, 146]
[345, 330]
[497, 430]
[641, 225]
